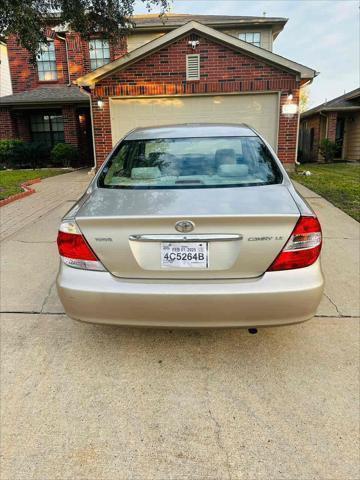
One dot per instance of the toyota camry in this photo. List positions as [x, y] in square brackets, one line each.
[194, 225]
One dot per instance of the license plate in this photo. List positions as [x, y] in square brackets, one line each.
[184, 255]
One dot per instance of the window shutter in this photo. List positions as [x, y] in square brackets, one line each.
[193, 67]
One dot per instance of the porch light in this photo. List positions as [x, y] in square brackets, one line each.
[100, 104]
[289, 108]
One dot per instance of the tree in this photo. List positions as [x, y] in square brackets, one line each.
[304, 99]
[29, 19]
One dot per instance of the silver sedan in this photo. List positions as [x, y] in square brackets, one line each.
[194, 225]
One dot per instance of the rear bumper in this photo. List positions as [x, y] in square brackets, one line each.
[276, 298]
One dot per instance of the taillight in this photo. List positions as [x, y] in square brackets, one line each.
[74, 249]
[303, 247]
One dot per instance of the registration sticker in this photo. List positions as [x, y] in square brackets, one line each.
[184, 255]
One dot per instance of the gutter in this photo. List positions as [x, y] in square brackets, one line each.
[309, 113]
[231, 24]
[42, 104]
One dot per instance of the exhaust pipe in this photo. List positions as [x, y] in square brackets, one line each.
[252, 331]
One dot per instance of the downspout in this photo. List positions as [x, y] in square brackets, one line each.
[67, 58]
[297, 163]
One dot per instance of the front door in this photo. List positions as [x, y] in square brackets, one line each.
[85, 138]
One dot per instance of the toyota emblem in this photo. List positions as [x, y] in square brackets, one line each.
[184, 226]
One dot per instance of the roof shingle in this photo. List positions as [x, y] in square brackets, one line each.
[177, 19]
[348, 101]
[46, 95]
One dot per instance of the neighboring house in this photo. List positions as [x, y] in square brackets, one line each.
[5, 79]
[339, 121]
[183, 68]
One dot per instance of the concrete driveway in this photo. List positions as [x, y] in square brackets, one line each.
[94, 402]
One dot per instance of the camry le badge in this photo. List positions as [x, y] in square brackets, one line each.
[264, 239]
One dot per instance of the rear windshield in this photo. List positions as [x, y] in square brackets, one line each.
[190, 163]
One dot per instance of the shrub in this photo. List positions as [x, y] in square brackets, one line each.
[64, 154]
[31, 155]
[18, 154]
[327, 149]
[8, 152]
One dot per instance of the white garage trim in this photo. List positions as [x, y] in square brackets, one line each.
[265, 121]
[211, 94]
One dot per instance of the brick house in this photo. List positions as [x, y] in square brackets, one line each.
[45, 105]
[339, 121]
[182, 69]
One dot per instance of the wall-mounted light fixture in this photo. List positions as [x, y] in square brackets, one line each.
[194, 43]
[289, 108]
[100, 104]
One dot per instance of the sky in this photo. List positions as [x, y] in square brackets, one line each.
[321, 34]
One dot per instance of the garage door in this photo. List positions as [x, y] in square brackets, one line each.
[258, 110]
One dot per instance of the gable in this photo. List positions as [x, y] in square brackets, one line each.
[195, 28]
[217, 63]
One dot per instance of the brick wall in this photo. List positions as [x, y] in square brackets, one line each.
[118, 49]
[22, 122]
[7, 130]
[102, 129]
[308, 124]
[24, 74]
[76, 57]
[222, 71]
[331, 129]
[14, 125]
[217, 64]
[70, 125]
[324, 127]
[17, 125]
[288, 130]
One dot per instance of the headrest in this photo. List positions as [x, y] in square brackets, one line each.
[232, 170]
[145, 173]
[225, 154]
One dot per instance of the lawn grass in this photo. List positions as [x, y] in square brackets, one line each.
[339, 183]
[10, 180]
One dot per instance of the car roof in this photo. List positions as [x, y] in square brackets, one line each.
[188, 130]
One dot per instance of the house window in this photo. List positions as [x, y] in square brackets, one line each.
[46, 62]
[47, 128]
[251, 37]
[99, 53]
[193, 67]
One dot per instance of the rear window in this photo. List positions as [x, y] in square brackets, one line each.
[190, 163]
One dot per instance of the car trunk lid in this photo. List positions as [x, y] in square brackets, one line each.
[243, 229]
